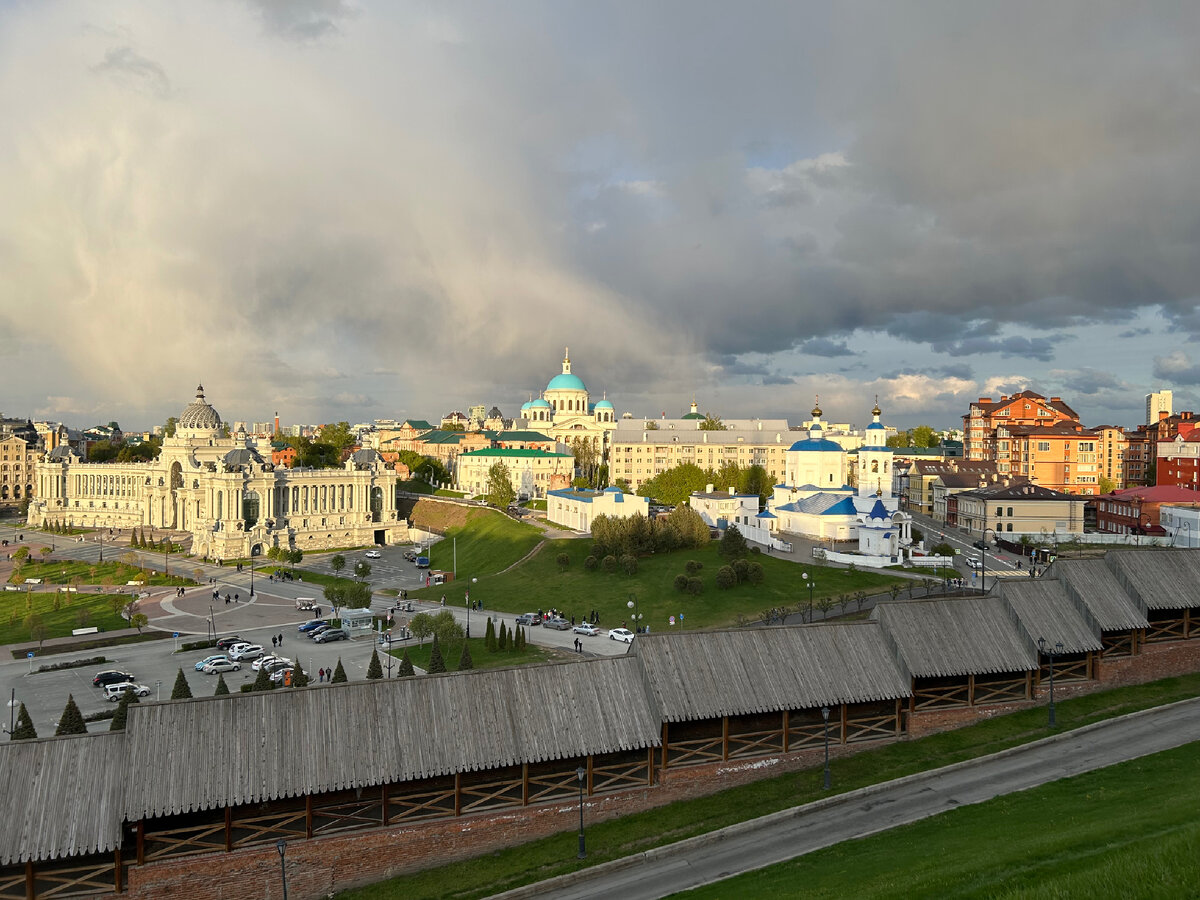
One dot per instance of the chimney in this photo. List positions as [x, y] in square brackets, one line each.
[277, 421]
[708, 488]
[1056, 399]
[985, 399]
[1163, 414]
[732, 490]
[1004, 398]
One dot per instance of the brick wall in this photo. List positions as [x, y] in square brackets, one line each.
[326, 864]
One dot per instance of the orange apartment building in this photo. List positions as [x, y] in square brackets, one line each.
[985, 416]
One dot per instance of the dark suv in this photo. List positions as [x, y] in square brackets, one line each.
[110, 676]
[226, 642]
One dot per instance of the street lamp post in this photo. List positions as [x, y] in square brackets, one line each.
[251, 570]
[825, 716]
[467, 604]
[983, 557]
[633, 604]
[101, 546]
[281, 846]
[581, 776]
[811, 585]
[1053, 652]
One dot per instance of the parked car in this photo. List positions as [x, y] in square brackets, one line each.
[204, 662]
[621, 634]
[974, 563]
[221, 665]
[373, 554]
[113, 692]
[280, 676]
[557, 624]
[270, 663]
[226, 642]
[110, 676]
[422, 562]
[410, 555]
[529, 619]
[241, 653]
[311, 625]
[980, 545]
[316, 632]
[586, 628]
[332, 634]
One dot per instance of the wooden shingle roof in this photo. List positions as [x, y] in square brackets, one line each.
[1158, 579]
[699, 675]
[258, 747]
[1093, 587]
[62, 796]
[1045, 611]
[938, 638]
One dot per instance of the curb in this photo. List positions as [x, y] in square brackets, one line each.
[549, 885]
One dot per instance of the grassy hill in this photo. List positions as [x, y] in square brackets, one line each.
[539, 583]
[487, 541]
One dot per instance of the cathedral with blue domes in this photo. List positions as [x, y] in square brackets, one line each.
[566, 413]
[817, 500]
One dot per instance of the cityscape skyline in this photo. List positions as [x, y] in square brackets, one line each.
[354, 211]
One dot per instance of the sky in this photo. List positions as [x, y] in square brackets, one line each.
[349, 210]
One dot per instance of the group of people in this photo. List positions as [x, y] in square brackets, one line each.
[236, 598]
[277, 640]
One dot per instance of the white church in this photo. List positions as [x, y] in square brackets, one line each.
[816, 500]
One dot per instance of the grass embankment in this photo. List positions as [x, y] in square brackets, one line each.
[1126, 831]
[486, 541]
[622, 837]
[539, 584]
[480, 657]
[82, 572]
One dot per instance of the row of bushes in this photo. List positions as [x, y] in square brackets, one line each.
[73, 664]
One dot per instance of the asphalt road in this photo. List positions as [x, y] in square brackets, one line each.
[791, 833]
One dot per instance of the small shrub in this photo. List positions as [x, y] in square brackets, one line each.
[754, 573]
[590, 563]
[726, 578]
[610, 563]
[695, 587]
[741, 568]
[693, 567]
[564, 561]
[629, 564]
[681, 582]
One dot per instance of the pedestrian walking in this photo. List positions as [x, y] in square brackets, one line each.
[280, 640]
[273, 640]
[320, 675]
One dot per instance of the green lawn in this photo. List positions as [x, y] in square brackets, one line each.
[1126, 831]
[419, 654]
[58, 613]
[489, 542]
[539, 584]
[622, 837]
[108, 573]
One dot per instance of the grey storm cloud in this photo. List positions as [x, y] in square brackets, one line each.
[1177, 368]
[320, 189]
[825, 347]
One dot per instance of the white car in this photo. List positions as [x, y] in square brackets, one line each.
[373, 554]
[271, 663]
[220, 665]
[113, 692]
[621, 634]
[241, 652]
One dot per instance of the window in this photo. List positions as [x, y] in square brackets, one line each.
[1010, 510]
[999, 510]
[1043, 446]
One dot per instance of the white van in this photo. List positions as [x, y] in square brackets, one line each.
[113, 692]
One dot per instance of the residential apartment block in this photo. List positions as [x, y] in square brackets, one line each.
[17, 458]
[1136, 510]
[639, 453]
[1027, 408]
[1013, 509]
[1157, 403]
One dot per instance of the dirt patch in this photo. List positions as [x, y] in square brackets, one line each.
[429, 515]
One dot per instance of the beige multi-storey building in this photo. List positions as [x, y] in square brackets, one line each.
[233, 503]
[531, 472]
[640, 452]
[566, 413]
[17, 458]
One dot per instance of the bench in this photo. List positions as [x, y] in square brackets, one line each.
[78, 631]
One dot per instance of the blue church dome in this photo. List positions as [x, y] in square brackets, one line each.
[600, 404]
[813, 445]
[566, 382]
[540, 403]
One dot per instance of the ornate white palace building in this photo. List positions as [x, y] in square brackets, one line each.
[221, 491]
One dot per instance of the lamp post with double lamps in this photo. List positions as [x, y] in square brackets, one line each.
[581, 776]
[1053, 652]
[811, 584]
[983, 557]
[825, 716]
[633, 604]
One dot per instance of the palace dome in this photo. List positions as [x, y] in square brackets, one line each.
[566, 382]
[198, 415]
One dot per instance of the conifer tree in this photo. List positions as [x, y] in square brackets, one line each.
[222, 687]
[182, 690]
[24, 730]
[122, 713]
[299, 676]
[502, 641]
[465, 663]
[71, 720]
[374, 668]
[406, 666]
[489, 637]
[436, 663]
[339, 674]
[263, 681]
